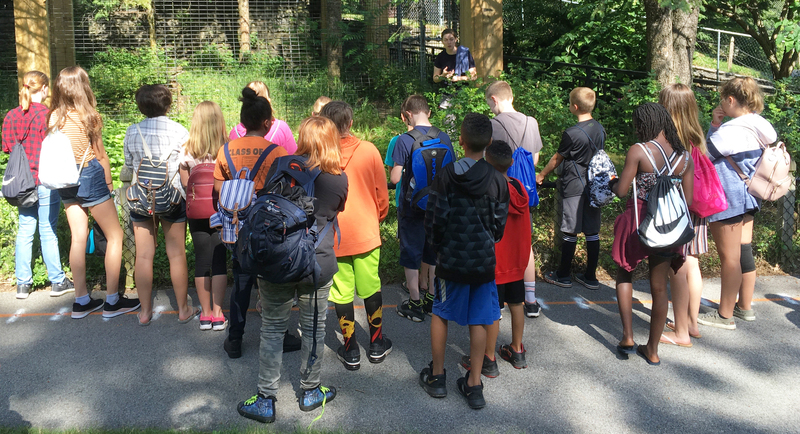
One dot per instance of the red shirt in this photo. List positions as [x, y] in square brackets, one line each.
[30, 127]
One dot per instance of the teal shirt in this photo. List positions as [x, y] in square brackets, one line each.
[389, 162]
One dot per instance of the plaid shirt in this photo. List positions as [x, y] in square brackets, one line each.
[15, 128]
[163, 136]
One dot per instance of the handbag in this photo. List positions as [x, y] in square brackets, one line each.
[709, 197]
[56, 149]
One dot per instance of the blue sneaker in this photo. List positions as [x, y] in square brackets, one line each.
[318, 396]
[258, 408]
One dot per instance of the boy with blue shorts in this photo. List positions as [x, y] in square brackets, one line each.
[465, 217]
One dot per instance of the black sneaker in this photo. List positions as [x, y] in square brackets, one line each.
[59, 289]
[532, 310]
[81, 311]
[350, 359]
[122, 306]
[427, 303]
[233, 347]
[435, 385]
[379, 350]
[412, 310]
[291, 343]
[23, 291]
[552, 278]
[489, 368]
[516, 359]
[474, 394]
[260, 408]
[316, 397]
[589, 283]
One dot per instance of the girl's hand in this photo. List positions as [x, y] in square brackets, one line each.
[717, 115]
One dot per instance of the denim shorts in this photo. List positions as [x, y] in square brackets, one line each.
[414, 246]
[92, 189]
[176, 216]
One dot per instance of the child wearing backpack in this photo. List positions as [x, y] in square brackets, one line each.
[27, 125]
[738, 141]
[158, 138]
[518, 131]
[279, 133]
[318, 154]
[414, 247]
[198, 160]
[578, 145]
[465, 217]
[358, 253]
[661, 153]
[245, 152]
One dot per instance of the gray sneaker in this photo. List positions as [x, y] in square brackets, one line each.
[747, 315]
[59, 289]
[714, 320]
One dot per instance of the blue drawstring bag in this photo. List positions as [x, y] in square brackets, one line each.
[523, 170]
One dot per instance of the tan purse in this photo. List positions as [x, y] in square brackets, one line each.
[772, 178]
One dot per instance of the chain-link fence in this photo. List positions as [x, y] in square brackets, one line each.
[418, 27]
[722, 52]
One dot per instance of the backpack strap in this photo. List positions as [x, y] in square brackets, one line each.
[261, 158]
[591, 142]
[738, 170]
[524, 131]
[231, 166]
[144, 144]
[416, 134]
[650, 157]
[669, 167]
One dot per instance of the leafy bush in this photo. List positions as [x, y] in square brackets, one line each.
[214, 55]
[116, 74]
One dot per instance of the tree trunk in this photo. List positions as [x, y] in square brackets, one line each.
[332, 36]
[244, 28]
[659, 41]
[684, 38]
[151, 23]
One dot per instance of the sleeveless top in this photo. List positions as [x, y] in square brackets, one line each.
[645, 181]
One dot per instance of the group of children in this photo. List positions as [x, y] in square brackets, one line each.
[458, 264]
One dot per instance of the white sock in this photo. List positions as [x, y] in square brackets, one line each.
[112, 298]
[83, 300]
[530, 292]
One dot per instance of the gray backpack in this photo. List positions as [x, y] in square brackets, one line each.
[19, 188]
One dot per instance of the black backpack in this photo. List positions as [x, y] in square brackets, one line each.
[19, 188]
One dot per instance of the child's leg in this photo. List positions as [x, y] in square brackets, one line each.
[412, 282]
[530, 280]
[592, 255]
[680, 305]
[477, 347]
[143, 233]
[517, 325]
[342, 293]
[695, 282]
[625, 304]
[439, 342]
[659, 269]
[175, 239]
[492, 330]
[748, 286]
[567, 254]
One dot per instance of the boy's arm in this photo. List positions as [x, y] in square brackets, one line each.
[554, 162]
[396, 174]
[500, 212]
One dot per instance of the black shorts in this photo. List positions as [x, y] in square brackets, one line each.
[176, 216]
[511, 293]
[738, 218]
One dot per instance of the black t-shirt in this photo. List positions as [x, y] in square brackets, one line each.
[330, 192]
[578, 144]
[444, 60]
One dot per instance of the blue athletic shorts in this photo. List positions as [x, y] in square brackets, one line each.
[414, 248]
[466, 304]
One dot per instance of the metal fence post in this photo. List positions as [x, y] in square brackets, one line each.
[422, 74]
[789, 224]
[128, 243]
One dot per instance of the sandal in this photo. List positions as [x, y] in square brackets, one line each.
[191, 317]
[671, 325]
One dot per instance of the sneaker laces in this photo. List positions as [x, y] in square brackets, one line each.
[252, 400]
[324, 391]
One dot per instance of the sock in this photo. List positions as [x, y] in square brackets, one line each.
[374, 307]
[83, 300]
[530, 292]
[347, 322]
[567, 253]
[592, 255]
[112, 298]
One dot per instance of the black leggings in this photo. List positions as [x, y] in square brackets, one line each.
[209, 253]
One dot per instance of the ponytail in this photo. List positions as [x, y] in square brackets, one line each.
[32, 82]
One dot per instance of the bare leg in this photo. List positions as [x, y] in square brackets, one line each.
[106, 216]
[424, 282]
[477, 346]
[625, 304]
[438, 344]
[219, 284]
[517, 325]
[175, 238]
[431, 279]
[203, 286]
[530, 269]
[680, 305]
[412, 282]
[695, 282]
[659, 270]
[748, 286]
[143, 270]
[78, 219]
[492, 330]
[728, 238]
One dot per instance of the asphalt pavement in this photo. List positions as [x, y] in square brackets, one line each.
[60, 373]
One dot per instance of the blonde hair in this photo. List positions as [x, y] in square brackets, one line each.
[745, 91]
[318, 104]
[319, 141]
[500, 90]
[207, 132]
[72, 92]
[584, 98]
[32, 82]
[681, 104]
[262, 90]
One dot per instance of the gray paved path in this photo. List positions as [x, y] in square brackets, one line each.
[60, 373]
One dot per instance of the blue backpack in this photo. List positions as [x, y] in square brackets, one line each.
[427, 158]
[278, 240]
[523, 170]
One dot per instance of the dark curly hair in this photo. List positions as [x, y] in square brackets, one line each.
[255, 109]
[649, 119]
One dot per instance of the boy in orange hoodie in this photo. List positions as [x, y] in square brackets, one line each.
[358, 251]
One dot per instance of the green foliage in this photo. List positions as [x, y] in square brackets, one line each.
[116, 74]
[783, 111]
[214, 55]
[530, 28]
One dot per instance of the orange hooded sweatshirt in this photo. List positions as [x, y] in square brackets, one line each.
[367, 198]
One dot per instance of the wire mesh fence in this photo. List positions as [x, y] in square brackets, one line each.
[730, 52]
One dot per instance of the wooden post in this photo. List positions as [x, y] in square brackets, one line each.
[62, 36]
[730, 55]
[32, 32]
[482, 32]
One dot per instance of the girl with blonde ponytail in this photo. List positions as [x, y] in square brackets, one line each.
[27, 124]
